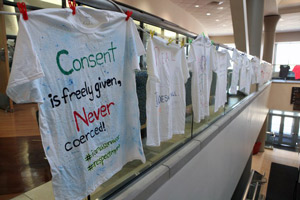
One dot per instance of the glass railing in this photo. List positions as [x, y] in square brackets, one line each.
[155, 154]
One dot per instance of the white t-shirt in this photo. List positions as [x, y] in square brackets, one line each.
[165, 105]
[220, 64]
[256, 68]
[80, 70]
[237, 64]
[266, 72]
[244, 80]
[200, 56]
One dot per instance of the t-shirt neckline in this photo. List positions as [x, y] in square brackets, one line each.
[73, 19]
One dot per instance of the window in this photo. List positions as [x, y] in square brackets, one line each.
[286, 53]
[275, 126]
[288, 125]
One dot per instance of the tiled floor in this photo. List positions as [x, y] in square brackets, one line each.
[261, 162]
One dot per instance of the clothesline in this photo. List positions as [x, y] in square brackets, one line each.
[140, 28]
[145, 31]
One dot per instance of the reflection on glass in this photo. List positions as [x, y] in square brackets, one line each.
[277, 112]
[137, 22]
[288, 125]
[149, 27]
[170, 34]
[275, 126]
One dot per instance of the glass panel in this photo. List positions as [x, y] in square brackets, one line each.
[180, 38]
[288, 125]
[137, 22]
[11, 22]
[275, 126]
[169, 34]
[149, 27]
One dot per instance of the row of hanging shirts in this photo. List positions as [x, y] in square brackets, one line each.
[168, 71]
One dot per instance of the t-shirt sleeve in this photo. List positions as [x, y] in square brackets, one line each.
[23, 84]
[228, 64]
[213, 59]
[135, 47]
[234, 56]
[184, 66]
[191, 57]
[151, 60]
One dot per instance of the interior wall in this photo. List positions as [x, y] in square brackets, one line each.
[223, 39]
[169, 11]
[280, 37]
[280, 96]
[288, 36]
[215, 171]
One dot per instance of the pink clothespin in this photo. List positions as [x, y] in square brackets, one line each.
[72, 5]
[128, 13]
[23, 10]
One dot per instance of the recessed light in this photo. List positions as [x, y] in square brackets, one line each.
[217, 20]
[220, 8]
[221, 2]
[281, 19]
[208, 14]
[197, 6]
[224, 25]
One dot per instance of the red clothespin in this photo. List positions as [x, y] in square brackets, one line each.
[23, 10]
[128, 13]
[72, 5]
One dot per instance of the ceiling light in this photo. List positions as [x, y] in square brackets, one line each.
[224, 25]
[208, 14]
[197, 6]
[221, 2]
[217, 20]
[281, 19]
[220, 8]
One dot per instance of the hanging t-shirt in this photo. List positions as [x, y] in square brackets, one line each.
[284, 70]
[266, 72]
[165, 105]
[244, 76]
[200, 56]
[80, 69]
[220, 65]
[296, 70]
[237, 64]
[256, 68]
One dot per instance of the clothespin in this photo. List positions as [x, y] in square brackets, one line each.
[182, 42]
[203, 34]
[128, 13]
[23, 10]
[190, 41]
[212, 42]
[152, 33]
[72, 5]
[170, 40]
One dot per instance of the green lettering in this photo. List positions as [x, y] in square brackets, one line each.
[86, 60]
[77, 69]
[106, 53]
[99, 58]
[58, 63]
[112, 50]
[93, 61]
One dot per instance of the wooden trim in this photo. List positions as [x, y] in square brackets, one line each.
[4, 65]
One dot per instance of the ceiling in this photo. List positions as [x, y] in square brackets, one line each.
[219, 22]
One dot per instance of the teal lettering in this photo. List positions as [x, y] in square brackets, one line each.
[77, 69]
[86, 60]
[99, 58]
[93, 61]
[58, 63]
